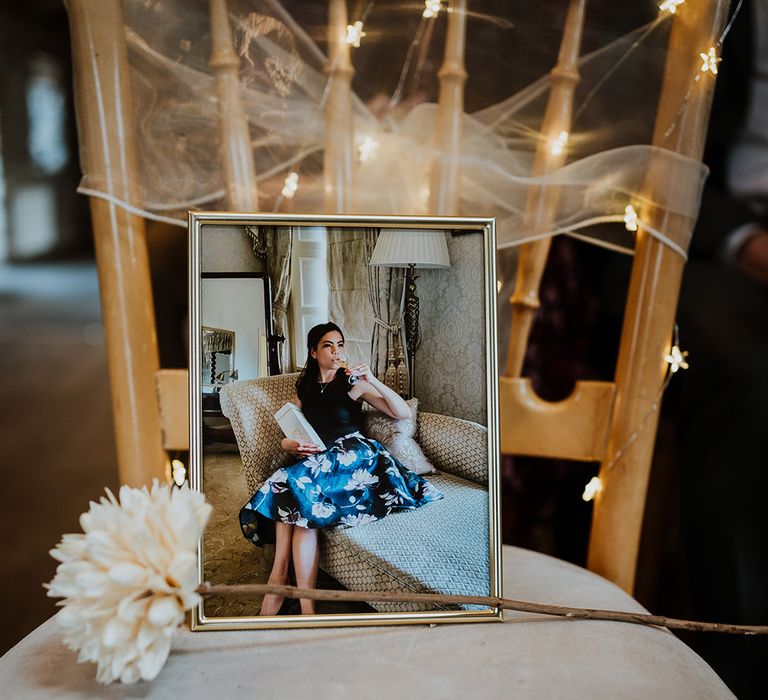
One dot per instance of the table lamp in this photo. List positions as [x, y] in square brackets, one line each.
[411, 249]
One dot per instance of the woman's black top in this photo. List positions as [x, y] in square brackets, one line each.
[330, 410]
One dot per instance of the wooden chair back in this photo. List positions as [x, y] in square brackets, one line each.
[615, 422]
[151, 405]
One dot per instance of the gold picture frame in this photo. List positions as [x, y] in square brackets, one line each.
[454, 369]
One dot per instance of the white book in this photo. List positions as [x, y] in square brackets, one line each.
[295, 426]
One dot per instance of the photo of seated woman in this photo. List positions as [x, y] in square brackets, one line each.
[354, 481]
[354, 464]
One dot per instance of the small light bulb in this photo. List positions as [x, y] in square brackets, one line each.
[710, 61]
[368, 148]
[354, 34]
[676, 359]
[431, 8]
[291, 185]
[670, 5]
[594, 487]
[630, 218]
[558, 144]
[179, 472]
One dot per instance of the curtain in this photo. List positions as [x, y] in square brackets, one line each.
[279, 241]
[349, 303]
[386, 293]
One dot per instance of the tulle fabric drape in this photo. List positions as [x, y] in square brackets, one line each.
[283, 87]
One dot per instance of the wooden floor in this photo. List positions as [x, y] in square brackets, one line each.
[55, 427]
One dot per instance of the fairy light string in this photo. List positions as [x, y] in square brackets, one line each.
[431, 9]
[354, 35]
[630, 218]
[670, 5]
[710, 60]
[420, 43]
[558, 143]
[675, 360]
[368, 149]
[676, 357]
[667, 10]
[291, 185]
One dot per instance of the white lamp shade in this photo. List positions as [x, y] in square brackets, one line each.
[404, 247]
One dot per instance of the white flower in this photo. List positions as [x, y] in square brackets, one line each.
[323, 510]
[279, 477]
[292, 517]
[277, 482]
[302, 482]
[360, 479]
[128, 579]
[392, 498]
[317, 464]
[346, 458]
[359, 519]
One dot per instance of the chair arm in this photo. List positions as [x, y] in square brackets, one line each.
[454, 445]
[250, 406]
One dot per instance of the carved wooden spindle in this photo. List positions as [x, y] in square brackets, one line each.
[339, 131]
[444, 186]
[651, 302]
[239, 173]
[109, 153]
[541, 205]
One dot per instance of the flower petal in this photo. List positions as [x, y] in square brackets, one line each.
[128, 573]
[163, 611]
[155, 657]
[116, 632]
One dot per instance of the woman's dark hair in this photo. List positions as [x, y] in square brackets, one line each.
[311, 372]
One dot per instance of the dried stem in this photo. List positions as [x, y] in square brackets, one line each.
[208, 589]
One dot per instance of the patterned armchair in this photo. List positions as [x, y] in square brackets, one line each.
[443, 548]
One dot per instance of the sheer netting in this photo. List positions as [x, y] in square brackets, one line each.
[284, 84]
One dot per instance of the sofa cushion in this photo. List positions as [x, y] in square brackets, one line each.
[455, 445]
[397, 435]
[440, 548]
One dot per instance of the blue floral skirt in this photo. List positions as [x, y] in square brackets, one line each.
[355, 481]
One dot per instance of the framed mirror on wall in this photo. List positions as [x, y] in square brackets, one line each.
[237, 306]
[376, 448]
[236, 341]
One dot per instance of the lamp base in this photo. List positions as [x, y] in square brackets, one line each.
[412, 331]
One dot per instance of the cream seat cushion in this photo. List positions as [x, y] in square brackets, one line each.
[527, 656]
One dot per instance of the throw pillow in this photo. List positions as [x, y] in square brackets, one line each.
[397, 435]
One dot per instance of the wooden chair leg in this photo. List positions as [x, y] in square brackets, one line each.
[109, 154]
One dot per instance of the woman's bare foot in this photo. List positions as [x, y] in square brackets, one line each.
[271, 604]
[307, 606]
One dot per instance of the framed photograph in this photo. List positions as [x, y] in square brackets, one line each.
[344, 414]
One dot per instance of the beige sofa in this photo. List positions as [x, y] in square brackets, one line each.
[440, 548]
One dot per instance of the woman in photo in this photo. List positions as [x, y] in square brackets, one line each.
[352, 482]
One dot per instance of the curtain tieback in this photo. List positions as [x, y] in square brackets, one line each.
[386, 326]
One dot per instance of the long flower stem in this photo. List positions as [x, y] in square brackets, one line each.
[208, 589]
